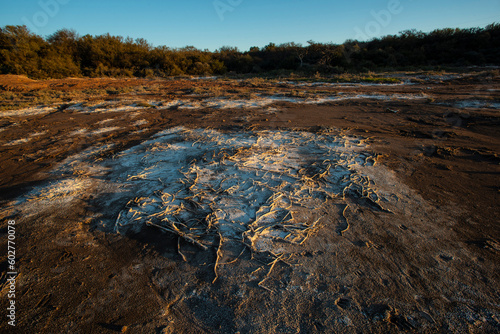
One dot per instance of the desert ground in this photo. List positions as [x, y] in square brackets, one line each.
[224, 205]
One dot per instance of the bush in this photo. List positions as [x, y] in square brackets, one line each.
[65, 53]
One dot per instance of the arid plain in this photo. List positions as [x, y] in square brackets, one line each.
[223, 205]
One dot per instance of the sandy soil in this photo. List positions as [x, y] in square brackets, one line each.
[392, 190]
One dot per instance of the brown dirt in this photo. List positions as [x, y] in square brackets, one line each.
[76, 278]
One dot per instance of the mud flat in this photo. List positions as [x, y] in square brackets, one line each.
[223, 206]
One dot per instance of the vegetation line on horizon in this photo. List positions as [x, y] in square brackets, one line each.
[66, 54]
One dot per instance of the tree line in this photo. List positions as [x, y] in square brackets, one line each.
[66, 54]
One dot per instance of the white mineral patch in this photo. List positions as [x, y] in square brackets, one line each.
[342, 97]
[266, 188]
[104, 130]
[105, 121]
[33, 111]
[105, 107]
[25, 140]
[140, 122]
[477, 104]
[213, 103]
[241, 185]
[260, 187]
[79, 132]
[263, 101]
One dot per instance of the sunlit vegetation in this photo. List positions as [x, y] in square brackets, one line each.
[67, 54]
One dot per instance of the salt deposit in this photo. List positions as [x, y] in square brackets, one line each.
[266, 189]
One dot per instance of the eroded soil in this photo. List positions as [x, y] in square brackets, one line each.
[423, 258]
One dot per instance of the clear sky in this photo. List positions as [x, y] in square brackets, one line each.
[210, 24]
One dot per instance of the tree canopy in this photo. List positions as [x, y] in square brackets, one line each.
[65, 53]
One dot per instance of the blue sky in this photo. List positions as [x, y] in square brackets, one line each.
[210, 24]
